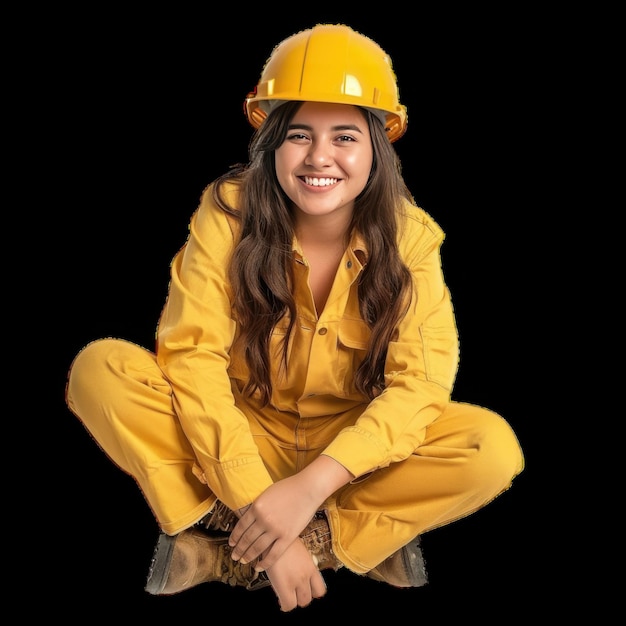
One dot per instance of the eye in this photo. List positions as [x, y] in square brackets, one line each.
[296, 137]
[345, 138]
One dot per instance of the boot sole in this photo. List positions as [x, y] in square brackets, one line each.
[414, 564]
[160, 566]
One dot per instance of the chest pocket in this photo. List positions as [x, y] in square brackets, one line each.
[352, 341]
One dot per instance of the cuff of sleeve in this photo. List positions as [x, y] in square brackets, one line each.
[358, 451]
[236, 483]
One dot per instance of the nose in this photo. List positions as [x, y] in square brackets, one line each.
[320, 154]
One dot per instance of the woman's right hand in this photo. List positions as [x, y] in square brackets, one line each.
[295, 578]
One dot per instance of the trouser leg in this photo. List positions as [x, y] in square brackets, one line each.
[469, 456]
[119, 393]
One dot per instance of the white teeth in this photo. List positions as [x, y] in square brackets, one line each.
[319, 182]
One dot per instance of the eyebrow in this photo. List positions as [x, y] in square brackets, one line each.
[339, 127]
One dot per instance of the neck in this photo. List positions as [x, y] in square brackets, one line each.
[326, 230]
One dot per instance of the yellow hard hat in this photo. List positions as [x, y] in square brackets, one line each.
[329, 63]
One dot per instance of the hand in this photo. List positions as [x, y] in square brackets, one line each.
[272, 522]
[295, 578]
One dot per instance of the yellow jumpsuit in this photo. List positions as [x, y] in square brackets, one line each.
[176, 421]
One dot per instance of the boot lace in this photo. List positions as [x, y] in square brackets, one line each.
[219, 518]
[235, 573]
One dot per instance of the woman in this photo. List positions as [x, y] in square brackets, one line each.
[296, 414]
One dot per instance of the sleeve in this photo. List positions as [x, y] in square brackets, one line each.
[421, 364]
[194, 337]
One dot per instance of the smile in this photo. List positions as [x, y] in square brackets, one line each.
[320, 182]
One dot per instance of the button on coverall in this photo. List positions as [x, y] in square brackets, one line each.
[177, 421]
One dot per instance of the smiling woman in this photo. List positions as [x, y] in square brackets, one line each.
[296, 414]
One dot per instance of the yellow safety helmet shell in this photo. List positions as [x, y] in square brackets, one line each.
[329, 63]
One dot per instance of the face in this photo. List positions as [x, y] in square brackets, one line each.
[325, 161]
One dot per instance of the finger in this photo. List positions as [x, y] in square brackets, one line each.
[304, 596]
[318, 586]
[243, 536]
[240, 528]
[248, 551]
[288, 599]
[287, 603]
[269, 555]
[305, 592]
[285, 594]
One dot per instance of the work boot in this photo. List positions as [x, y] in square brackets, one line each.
[193, 557]
[317, 539]
[404, 568]
[220, 518]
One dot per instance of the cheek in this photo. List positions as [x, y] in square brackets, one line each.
[360, 165]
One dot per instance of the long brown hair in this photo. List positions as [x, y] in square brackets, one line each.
[261, 265]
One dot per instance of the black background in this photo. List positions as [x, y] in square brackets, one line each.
[136, 114]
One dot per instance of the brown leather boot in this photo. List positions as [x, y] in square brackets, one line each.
[220, 517]
[404, 568]
[193, 557]
[317, 539]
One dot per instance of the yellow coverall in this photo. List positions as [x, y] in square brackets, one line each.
[177, 422]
